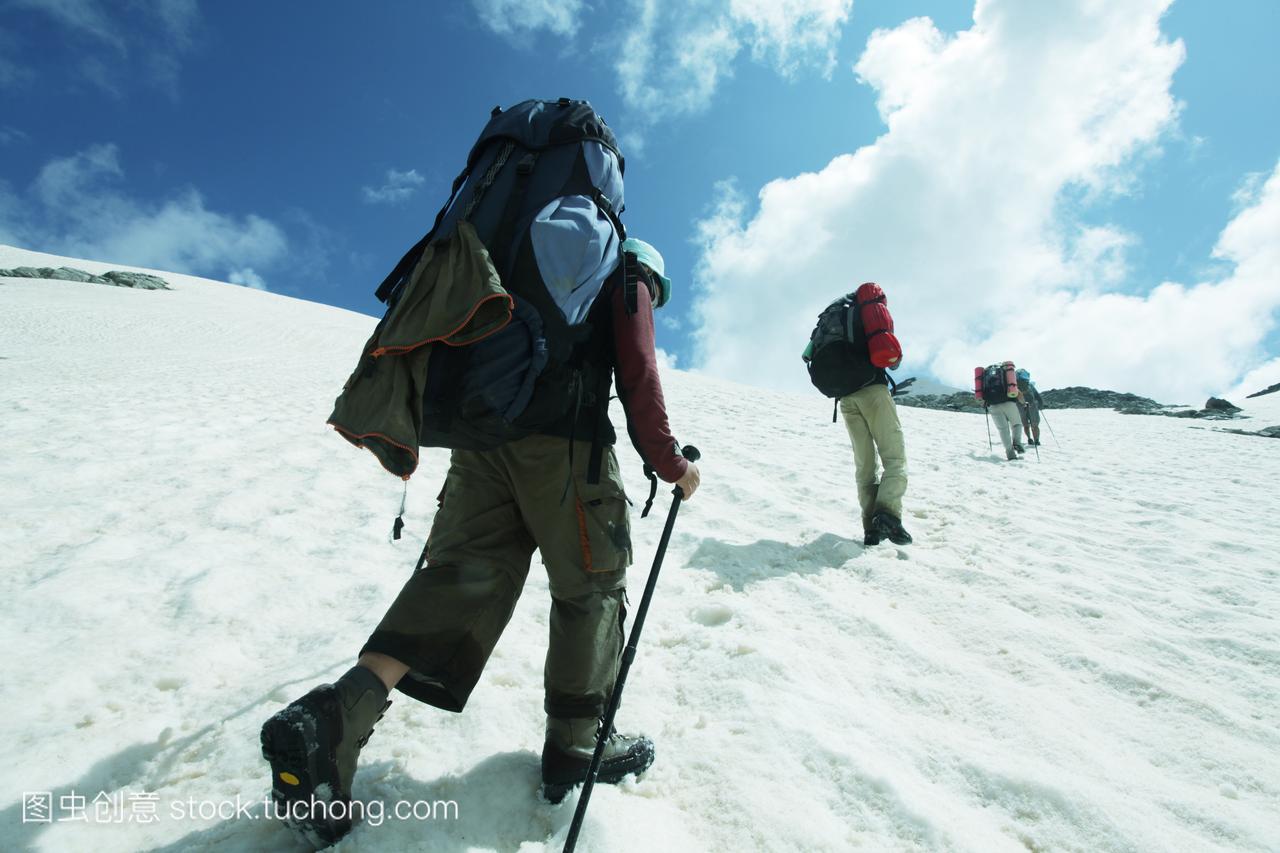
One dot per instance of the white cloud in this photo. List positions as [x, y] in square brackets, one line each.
[61, 182]
[792, 32]
[155, 34]
[1249, 191]
[968, 210]
[666, 360]
[1258, 379]
[180, 18]
[248, 278]
[507, 17]
[75, 207]
[12, 74]
[675, 54]
[632, 143]
[397, 187]
[1179, 343]
[10, 208]
[11, 135]
[82, 16]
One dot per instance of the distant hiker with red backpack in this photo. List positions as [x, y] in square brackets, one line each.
[996, 388]
[1030, 402]
[532, 467]
[848, 355]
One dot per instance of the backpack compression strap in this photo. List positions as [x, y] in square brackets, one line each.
[881, 298]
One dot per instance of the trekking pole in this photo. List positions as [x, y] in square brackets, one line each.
[990, 446]
[1050, 426]
[628, 655]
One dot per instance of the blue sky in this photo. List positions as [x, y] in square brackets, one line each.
[302, 147]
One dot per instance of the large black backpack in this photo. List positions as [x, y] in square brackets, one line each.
[994, 388]
[837, 356]
[536, 371]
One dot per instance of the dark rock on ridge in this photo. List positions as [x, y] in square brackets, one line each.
[1268, 390]
[1079, 397]
[115, 278]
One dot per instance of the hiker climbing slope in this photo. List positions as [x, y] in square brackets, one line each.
[1030, 401]
[572, 310]
[996, 388]
[848, 354]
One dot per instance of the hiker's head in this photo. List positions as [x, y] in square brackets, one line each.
[651, 258]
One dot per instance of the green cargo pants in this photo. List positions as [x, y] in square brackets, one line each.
[871, 417]
[496, 507]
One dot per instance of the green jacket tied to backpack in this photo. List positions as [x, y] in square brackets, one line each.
[454, 297]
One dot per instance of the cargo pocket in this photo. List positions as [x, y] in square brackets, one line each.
[604, 524]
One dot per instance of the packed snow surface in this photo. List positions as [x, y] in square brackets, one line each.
[1079, 652]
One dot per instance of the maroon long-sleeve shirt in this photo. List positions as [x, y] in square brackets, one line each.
[640, 387]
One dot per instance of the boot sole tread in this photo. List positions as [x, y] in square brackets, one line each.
[294, 742]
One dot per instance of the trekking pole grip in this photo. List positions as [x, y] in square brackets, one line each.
[693, 454]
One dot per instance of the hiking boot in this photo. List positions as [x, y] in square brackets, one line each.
[1018, 448]
[570, 744]
[312, 745]
[1011, 456]
[870, 538]
[890, 527]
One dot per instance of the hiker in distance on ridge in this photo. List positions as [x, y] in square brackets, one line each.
[557, 490]
[1031, 403]
[996, 388]
[848, 356]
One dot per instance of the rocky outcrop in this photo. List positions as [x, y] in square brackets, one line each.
[1265, 432]
[1078, 397]
[962, 401]
[1075, 397]
[115, 278]
[1271, 390]
[1215, 409]
[136, 280]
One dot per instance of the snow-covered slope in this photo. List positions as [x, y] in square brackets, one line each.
[1078, 653]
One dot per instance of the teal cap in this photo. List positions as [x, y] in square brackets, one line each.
[652, 259]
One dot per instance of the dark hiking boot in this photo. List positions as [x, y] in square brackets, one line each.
[890, 528]
[1011, 456]
[870, 538]
[312, 745]
[1018, 448]
[566, 755]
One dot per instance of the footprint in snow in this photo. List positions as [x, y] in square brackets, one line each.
[712, 615]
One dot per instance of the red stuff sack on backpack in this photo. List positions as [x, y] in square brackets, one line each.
[873, 310]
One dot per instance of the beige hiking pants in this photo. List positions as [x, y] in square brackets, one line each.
[871, 417]
[1007, 419]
